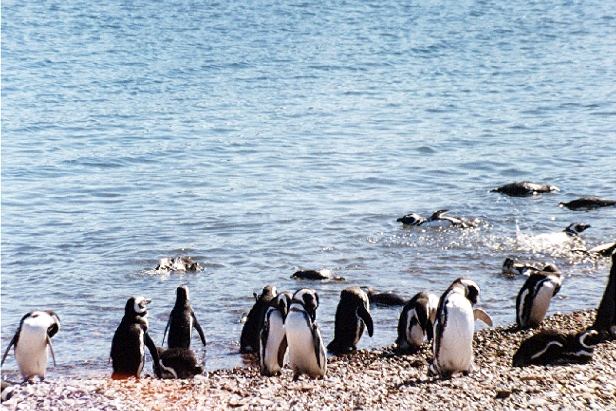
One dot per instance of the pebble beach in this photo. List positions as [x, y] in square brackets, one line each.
[365, 380]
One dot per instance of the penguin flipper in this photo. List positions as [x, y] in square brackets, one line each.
[153, 351]
[12, 343]
[165, 332]
[367, 318]
[199, 329]
[282, 350]
[481, 315]
[51, 349]
[318, 342]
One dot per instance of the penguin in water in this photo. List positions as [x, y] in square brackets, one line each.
[454, 328]
[249, 339]
[415, 325]
[181, 321]
[555, 347]
[437, 219]
[272, 337]
[524, 189]
[384, 299]
[534, 298]
[352, 317]
[177, 363]
[512, 267]
[588, 203]
[306, 349]
[127, 346]
[31, 340]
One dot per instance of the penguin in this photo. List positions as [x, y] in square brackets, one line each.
[130, 339]
[454, 327]
[178, 264]
[605, 322]
[322, 274]
[555, 347]
[177, 363]
[512, 267]
[534, 298]
[306, 349]
[310, 300]
[415, 324]
[272, 337]
[588, 203]
[31, 340]
[249, 339]
[524, 189]
[437, 219]
[352, 317]
[602, 250]
[385, 299]
[569, 235]
[181, 321]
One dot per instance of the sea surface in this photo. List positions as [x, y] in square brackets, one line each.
[265, 137]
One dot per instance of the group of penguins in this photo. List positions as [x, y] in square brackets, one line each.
[282, 326]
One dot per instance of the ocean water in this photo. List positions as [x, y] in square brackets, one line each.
[265, 137]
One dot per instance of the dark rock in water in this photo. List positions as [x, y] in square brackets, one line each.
[177, 363]
[602, 250]
[249, 339]
[555, 347]
[385, 299]
[606, 313]
[316, 275]
[588, 203]
[178, 264]
[524, 189]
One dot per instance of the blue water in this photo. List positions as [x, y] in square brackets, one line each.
[265, 137]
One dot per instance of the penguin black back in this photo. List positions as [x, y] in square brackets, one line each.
[249, 339]
[352, 317]
[127, 346]
[554, 347]
[182, 320]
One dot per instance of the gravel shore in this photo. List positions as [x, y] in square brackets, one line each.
[365, 380]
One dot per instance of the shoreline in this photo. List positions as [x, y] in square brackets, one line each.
[365, 380]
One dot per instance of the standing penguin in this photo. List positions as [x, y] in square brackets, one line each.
[181, 321]
[415, 323]
[306, 350]
[454, 328]
[352, 317]
[249, 339]
[272, 337]
[31, 340]
[534, 298]
[127, 347]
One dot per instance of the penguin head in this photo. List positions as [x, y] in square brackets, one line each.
[471, 289]
[182, 295]
[282, 302]
[46, 318]
[576, 228]
[589, 338]
[354, 296]
[137, 305]
[268, 293]
[309, 299]
[411, 219]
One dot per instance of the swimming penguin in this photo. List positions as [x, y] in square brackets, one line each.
[181, 321]
[306, 350]
[31, 340]
[569, 235]
[178, 264]
[454, 328]
[249, 339]
[524, 189]
[437, 219]
[414, 324]
[177, 363]
[272, 337]
[605, 322]
[602, 250]
[127, 347]
[323, 274]
[352, 317]
[385, 299]
[534, 298]
[555, 347]
[588, 203]
[512, 267]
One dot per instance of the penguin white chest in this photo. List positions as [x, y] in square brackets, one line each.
[301, 344]
[270, 350]
[414, 333]
[31, 349]
[541, 303]
[456, 341]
